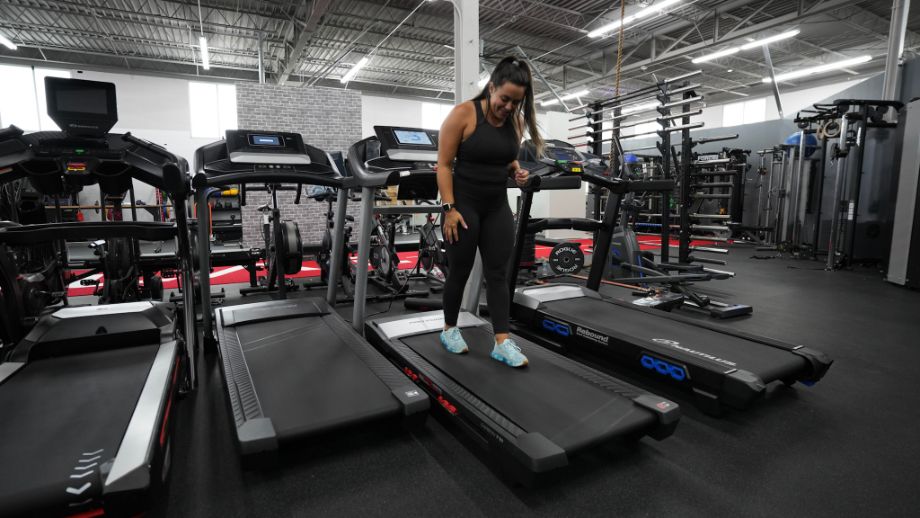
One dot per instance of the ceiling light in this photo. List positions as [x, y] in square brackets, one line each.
[652, 9]
[716, 55]
[205, 56]
[567, 97]
[353, 71]
[819, 69]
[771, 39]
[6, 42]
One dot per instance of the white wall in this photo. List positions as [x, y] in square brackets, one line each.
[796, 100]
[152, 108]
[388, 111]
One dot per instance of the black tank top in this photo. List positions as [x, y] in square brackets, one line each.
[483, 158]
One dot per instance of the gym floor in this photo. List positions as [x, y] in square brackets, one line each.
[846, 447]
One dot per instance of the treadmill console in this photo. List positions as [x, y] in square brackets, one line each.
[81, 108]
[408, 144]
[266, 148]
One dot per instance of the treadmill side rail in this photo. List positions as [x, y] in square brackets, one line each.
[7, 369]
[817, 360]
[131, 468]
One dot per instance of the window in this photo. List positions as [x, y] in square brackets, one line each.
[212, 108]
[22, 97]
[647, 127]
[433, 114]
[747, 112]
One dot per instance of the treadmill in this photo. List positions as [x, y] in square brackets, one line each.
[87, 396]
[721, 367]
[292, 368]
[531, 420]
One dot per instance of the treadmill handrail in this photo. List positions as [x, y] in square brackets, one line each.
[79, 231]
[149, 162]
[204, 180]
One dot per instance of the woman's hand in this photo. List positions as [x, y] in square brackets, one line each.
[521, 176]
[451, 220]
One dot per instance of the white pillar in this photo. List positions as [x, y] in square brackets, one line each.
[466, 49]
[466, 86]
[896, 34]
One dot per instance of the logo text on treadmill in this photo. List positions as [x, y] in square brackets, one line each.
[593, 336]
[676, 345]
[412, 393]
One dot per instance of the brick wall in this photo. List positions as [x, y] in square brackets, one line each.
[329, 119]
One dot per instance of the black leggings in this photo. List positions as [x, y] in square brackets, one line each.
[491, 229]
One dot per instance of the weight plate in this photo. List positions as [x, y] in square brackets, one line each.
[426, 260]
[386, 265]
[293, 249]
[566, 258]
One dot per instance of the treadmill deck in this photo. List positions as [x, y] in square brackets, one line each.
[74, 410]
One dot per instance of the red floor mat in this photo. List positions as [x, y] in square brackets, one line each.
[407, 260]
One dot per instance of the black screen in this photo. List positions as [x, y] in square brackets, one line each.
[93, 101]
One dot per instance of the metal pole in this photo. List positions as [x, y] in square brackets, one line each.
[896, 34]
[838, 189]
[776, 96]
[798, 180]
[338, 246]
[759, 221]
[261, 68]
[204, 265]
[778, 234]
[364, 247]
[768, 212]
[819, 188]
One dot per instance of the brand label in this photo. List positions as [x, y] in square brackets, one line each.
[676, 345]
[593, 336]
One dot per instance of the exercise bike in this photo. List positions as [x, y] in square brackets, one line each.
[324, 256]
[31, 281]
[283, 252]
[121, 273]
[432, 257]
[630, 266]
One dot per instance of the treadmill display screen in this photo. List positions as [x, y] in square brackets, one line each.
[266, 140]
[95, 101]
[412, 138]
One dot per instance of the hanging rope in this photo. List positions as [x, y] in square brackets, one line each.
[616, 85]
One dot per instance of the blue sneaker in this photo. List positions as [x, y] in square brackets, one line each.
[453, 342]
[509, 353]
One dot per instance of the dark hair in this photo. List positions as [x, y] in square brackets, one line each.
[514, 70]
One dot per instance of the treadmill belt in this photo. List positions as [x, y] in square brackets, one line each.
[766, 362]
[55, 413]
[542, 397]
[307, 379]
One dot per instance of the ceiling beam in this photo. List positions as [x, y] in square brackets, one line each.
[795, 16]
[317, 10]
[667, 29]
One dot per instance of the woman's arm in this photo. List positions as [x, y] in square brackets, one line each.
[448, 143]
[514, 168]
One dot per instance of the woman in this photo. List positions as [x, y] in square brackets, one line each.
[484, 136]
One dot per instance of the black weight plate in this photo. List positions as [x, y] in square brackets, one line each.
[566, 258]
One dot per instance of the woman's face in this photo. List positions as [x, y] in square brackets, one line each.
[506, 98]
